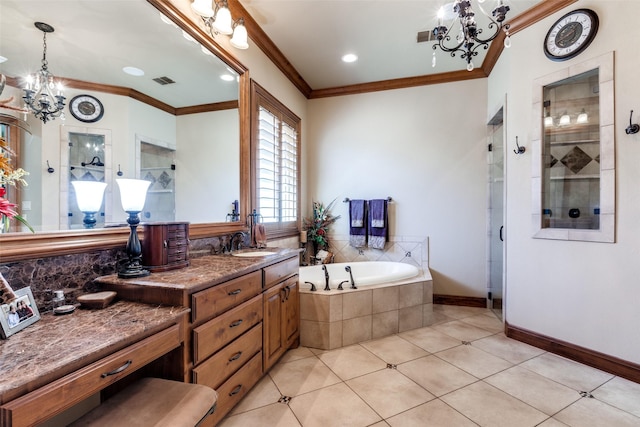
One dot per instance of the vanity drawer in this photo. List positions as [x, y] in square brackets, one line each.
[215, 370]
[236, 387]
[218, 299]
[278, 272]
[216, 333]
[55, 397]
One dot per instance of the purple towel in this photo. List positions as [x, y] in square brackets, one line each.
[358, 223]
[378, 223]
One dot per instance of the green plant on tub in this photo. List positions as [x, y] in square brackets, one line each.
[9, 176]
[318, 226]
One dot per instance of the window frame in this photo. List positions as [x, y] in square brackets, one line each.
[260, 97]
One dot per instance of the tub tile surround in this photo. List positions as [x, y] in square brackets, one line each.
[439, 381]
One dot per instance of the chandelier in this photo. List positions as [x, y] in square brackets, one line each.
[468, 40]
[218, 20]
[38, 93]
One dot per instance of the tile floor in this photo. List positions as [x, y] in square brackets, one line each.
[461, 371]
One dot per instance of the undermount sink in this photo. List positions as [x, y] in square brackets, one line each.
[253, 253]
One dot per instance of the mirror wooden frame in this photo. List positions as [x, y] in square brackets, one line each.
[20, 246]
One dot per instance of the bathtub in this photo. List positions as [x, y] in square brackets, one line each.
[391, 297]
[367, 273]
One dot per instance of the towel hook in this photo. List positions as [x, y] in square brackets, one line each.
[119, 173]
[633, 127]
[49, 168]
[520, 149]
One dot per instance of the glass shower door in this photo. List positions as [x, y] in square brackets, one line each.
[496, 231]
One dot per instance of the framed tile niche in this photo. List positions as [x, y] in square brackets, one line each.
[573, 153]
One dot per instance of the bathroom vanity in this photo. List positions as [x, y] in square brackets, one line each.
[62, 360]
[244, 316]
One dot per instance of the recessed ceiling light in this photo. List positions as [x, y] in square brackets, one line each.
[227, 77]
[2, 59]
[350, 57]
[133, 71]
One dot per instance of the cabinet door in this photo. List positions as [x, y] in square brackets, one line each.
[291, 312]
[273, 342]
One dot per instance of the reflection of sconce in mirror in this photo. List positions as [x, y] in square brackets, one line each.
[89, 195]
[633, 127]
[49, 168]
[133, 193]
[519, 149]
[94, 162]
[583, 117]
[565, 120]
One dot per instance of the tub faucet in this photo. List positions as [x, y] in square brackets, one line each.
[313, 286]
[348, 270]
[326, 278]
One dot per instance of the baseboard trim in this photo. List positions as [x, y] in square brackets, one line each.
[458, 300]
[604, 362]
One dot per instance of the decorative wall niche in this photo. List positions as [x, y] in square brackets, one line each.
[573, 159]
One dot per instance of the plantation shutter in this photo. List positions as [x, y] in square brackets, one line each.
[276, 154]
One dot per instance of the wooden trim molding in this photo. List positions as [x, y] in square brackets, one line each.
[595, 359]
[460, 300]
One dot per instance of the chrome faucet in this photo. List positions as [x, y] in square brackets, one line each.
[348, 270]
[326, 278]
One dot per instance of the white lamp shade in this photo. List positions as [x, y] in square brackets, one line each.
[133, 193]
[223, 22]
[239, 39]
[583, 117]
[202, 8]
[89, 195]
[565, 120]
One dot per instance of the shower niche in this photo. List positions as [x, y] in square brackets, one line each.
[574, 156]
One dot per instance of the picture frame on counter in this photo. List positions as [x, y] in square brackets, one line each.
[19, 313]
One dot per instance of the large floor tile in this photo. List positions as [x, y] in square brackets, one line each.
[296, 353]
[333, 406]
[478, 363]
[552, 422]
[459, 312]
[575, 375]
[394, 349]
[302, 376]
[490, 407]
[588, 412]
[389, 392]
[275, 415]
[430, 339]
[433, 414]
[621, 393]
[264, 393]
[538, 391]
[462, 331]
[489, 323]
[353, 361]
[436, 375]
[507, 348]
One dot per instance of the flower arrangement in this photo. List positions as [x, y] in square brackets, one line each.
[9, 176]
[318, 226]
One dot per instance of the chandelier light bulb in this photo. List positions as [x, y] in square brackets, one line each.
[470, 66]
[507, 41]
[433, 60]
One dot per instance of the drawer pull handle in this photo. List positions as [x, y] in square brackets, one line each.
[236, 323]
[236, 390]
[236, 292]
[235, 356]
[117, 371]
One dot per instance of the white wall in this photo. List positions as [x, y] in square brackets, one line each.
[427, 153]
[580, 292]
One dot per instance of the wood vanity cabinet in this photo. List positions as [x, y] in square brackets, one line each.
[239, 327]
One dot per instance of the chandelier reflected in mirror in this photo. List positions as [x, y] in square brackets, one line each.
[39, 91]
[468, 38]
[217, 18]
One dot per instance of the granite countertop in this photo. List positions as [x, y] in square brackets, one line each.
[205, 271]
[55, 345]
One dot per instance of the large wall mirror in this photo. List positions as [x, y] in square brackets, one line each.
[574, 161]
[198, 124]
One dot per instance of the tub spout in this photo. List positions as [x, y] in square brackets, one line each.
[326, 278]
[348, 270]
[313, 287]
[340, 288]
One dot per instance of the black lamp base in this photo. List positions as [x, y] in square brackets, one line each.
[132, 268]
[132, 271]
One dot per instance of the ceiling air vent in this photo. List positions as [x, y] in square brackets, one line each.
[163, 80]
[425, 36]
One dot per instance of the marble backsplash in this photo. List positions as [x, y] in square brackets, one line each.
[74, 274]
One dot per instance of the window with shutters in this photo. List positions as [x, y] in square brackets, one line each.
[275, 146]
